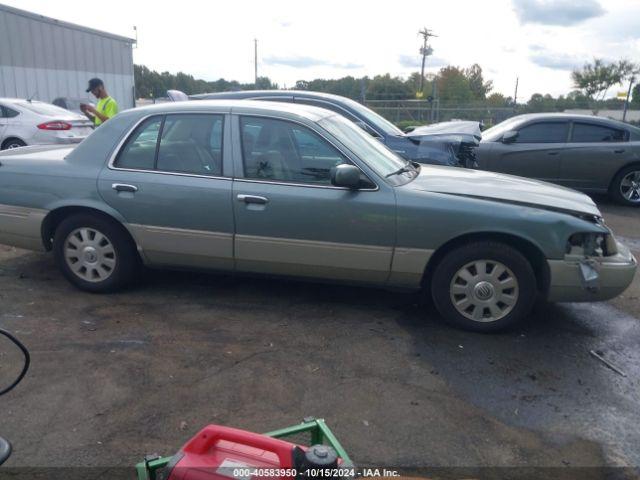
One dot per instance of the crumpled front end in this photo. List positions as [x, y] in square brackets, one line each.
[595, 268]
[448, 143]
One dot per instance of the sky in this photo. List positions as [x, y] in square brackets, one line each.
[537, 41]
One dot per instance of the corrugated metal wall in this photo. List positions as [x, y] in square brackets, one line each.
[46, 59]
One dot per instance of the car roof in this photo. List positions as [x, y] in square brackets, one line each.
[241, 106]
[569, 116]
[269, 93]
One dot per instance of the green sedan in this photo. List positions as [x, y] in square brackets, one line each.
[292, 190]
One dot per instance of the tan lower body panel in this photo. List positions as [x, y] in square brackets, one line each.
[184, 248]
[408, 267]
[21, 227]
[308, 258]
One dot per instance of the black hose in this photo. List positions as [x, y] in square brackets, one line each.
[27, 361]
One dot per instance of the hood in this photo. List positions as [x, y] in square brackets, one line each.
[454, 131]
[503, 188]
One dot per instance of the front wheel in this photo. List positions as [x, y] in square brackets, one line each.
[95, 254]
[484, 287]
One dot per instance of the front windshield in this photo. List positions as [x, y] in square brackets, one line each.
[498, 130]
[379, 123]
[382, 160]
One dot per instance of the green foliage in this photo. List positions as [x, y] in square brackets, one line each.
[635, 96]
[597, 77]
[151, 84]
[479, 87]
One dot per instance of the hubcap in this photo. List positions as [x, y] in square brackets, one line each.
[630, 187]
[484, 291]
[90, 254]
[13, 145]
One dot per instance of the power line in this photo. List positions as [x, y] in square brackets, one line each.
[425, 51]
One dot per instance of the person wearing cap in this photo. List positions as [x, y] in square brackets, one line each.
[106, 108]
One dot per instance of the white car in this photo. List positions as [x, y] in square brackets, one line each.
[24, 122]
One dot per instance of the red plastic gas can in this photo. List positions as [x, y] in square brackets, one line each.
[225, 453]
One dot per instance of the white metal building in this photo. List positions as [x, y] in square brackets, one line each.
[45, 58]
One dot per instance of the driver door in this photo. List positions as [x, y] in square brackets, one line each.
[289, 218]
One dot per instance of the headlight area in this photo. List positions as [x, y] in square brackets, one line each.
[580, 245]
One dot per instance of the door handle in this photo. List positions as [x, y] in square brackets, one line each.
[553, 153]
[253, 199]
[620, 150]
[123, 187]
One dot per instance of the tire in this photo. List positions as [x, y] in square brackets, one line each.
[10, 143]
[106, 258]
[489, 302]
[625, 186]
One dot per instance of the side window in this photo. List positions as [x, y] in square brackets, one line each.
[544, 132]
[280, 150]
[191, 144]
[139, 152]
[6, 112]
[588, 132]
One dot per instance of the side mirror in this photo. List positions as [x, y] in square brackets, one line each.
[345, 176]
[509, 136]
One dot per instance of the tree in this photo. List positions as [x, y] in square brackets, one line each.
[497, 100]
[453, 86]
[478, 86]
[385, 87]
[635, 96]
[595, 79]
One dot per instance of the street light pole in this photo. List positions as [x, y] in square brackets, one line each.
[255, 62]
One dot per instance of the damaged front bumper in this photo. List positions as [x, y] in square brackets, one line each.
[591, 279]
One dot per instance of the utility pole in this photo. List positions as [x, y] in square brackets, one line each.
[626, 103]
[425, 51]
[515, 96]
[255, 62]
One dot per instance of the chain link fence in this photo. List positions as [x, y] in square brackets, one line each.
[420, 112]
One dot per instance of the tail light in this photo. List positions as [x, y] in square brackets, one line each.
[55, 125]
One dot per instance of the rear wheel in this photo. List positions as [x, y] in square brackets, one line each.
[625, 187]
[95, 254]
[484, 287]
[11, 143]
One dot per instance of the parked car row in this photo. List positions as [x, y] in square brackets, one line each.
[591, 154]
[280, 188]
[588, 153]
[30, 122]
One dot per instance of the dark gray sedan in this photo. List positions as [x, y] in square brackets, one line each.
[591, 154]
[447, 143]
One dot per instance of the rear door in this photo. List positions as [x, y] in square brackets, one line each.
[536, 152]
[171, 181]
[4, 121]
[9, 123]
[594, 154]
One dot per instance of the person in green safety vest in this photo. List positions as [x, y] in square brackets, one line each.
[106, 108]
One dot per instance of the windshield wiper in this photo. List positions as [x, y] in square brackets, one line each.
[407, 167]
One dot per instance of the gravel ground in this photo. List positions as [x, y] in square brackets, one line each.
[115, 377]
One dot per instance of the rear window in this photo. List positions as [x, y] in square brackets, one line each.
[588, 132]
[42, 108]
[6, 112]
